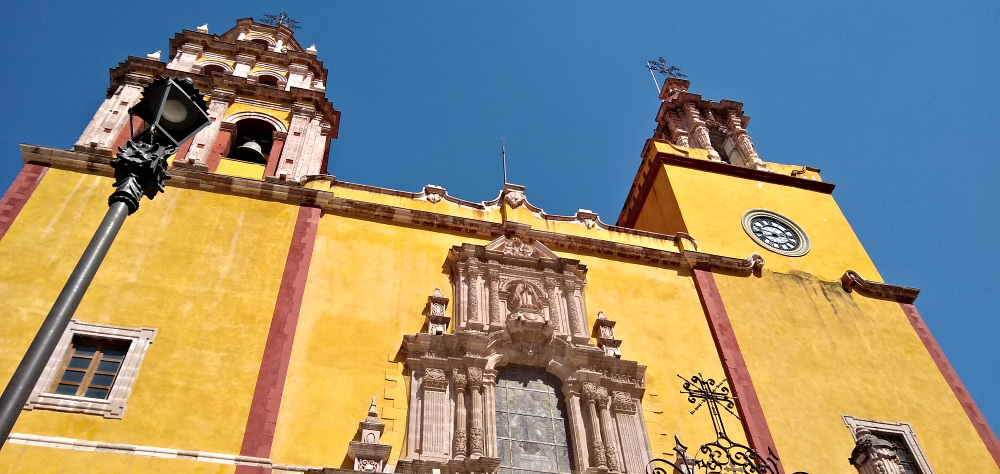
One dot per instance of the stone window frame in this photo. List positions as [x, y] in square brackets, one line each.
[899, 428]
[113, 407]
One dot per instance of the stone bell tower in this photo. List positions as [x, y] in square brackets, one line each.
[271, 119]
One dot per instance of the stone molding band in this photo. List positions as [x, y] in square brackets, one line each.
[153, 451]
[852, 281]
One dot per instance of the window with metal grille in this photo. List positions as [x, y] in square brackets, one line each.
[90, 368]
[531, 422]
[902, 452]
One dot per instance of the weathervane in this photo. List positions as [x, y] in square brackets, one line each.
[282, 19]
[723, 454]
[668, 70]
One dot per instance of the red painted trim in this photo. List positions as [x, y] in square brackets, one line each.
[125, 135]
[182, 151]
[263, 416]
[274, 157]
[978, 420]
[751, 413]
[220, 148]
[18, 193]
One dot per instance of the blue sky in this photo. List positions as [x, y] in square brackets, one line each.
[895, 101]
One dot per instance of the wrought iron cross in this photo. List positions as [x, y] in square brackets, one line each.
[706, 391]
[278, 20]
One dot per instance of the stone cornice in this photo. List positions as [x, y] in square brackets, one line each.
[217, 45]
[643, 183]
[706, 261]
[852, 281]
[293, 193]
[147, 67]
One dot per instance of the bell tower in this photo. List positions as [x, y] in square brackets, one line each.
[271, 119]
[701, 175]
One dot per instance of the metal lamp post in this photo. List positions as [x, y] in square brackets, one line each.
[175, 110]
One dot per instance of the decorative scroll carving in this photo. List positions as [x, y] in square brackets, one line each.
[515, 246]
[514, 198]
[435, 379]
[623, 402]
[903, 294]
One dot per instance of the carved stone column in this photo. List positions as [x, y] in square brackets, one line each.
[474, 309]
[608, 430]
[576, 324]
[298, 128]
[591, 394]
[555, 313]
[578, 431]
[744, 143]
[434, 435]
[702, 140]
[630, 429]
[460, 442]
[873, 455]
[493, 274]
[490, 411]
[476, 426]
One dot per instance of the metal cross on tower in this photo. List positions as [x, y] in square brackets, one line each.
[278, 20]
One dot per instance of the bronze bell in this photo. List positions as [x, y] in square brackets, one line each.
[249, 152]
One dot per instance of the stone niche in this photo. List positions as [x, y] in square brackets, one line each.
[514, 282]
[516, 302]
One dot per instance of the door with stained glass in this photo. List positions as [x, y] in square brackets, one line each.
[531, 422]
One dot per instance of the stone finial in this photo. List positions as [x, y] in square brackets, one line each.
[437, 320]
[604, 331]
[203, 28]
[368, 454]
[874, 455]
[154, 56]
[311, 49]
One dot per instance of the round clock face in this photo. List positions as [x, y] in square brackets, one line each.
[775, 232]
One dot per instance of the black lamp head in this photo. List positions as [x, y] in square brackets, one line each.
[174, 109]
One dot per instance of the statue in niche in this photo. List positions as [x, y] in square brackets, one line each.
[525, 304]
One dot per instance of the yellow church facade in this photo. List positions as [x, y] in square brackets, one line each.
[262, 316]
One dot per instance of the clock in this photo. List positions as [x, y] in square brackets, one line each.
[775, 232]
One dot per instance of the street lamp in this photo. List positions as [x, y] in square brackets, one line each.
[175, 110]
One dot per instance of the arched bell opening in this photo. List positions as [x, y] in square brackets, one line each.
[254, 138]
[212, 69]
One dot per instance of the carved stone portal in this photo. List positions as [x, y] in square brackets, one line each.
[516, 302]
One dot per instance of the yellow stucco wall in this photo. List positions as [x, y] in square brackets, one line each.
[816, 352]
[240, 169]
[712, 206]
[203, 268]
